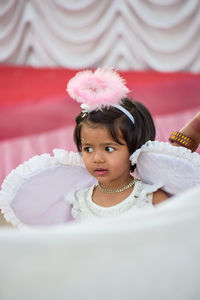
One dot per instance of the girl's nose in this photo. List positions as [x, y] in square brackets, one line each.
[98, 157]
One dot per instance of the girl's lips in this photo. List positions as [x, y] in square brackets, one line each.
[101, 171]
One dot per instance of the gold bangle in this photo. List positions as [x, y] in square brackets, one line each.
[183, 140]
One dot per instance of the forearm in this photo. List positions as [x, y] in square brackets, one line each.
[190, 130]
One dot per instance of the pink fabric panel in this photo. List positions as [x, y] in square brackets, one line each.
[24, 119]
[168, 94]
[14, 151]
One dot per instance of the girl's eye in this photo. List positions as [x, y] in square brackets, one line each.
[88, 149]
[110, 149]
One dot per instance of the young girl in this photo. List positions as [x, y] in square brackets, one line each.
[106, 139]
[108, 131]
[112, 134]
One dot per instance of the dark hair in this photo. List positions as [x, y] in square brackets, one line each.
[114, 120]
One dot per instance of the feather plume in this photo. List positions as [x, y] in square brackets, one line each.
[101, 88]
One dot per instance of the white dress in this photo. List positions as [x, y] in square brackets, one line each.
[84, 209]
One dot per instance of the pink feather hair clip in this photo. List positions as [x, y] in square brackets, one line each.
[101, 88]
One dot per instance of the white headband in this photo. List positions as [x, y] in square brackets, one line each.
[126, 112]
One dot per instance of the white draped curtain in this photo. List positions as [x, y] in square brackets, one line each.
[162, 35]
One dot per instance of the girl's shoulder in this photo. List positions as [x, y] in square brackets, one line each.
[159, 196]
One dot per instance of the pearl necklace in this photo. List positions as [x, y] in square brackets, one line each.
[126, 187]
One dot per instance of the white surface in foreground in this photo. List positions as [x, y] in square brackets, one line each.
[153, 256]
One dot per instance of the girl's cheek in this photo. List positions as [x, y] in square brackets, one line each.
[86, 159]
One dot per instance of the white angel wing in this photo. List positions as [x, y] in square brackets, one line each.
[39, 191]
[174, 168]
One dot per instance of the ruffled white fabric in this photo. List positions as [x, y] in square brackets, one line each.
[174, 168]
[15, 179]
[84, 209]
[168, 149]
[68, 157]
[27, 172]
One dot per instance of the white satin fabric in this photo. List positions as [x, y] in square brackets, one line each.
[154, 255]
[151, 34]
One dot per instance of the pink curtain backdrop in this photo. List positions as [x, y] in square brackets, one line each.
[37, 115]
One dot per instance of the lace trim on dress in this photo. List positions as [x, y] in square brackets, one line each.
[116, 209]
[141, 195]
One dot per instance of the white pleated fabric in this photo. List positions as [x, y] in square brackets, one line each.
[138, 35]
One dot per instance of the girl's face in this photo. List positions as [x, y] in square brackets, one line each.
[105, 159]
